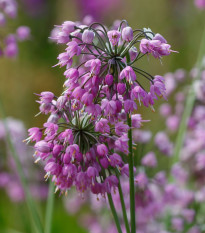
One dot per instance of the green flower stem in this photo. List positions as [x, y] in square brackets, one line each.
[114, 213]
[112, 206]
[29, 200]
[124, 212]
[131, 177]
[49, 207]
[188, 106]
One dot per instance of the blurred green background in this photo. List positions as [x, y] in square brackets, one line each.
[177, 20]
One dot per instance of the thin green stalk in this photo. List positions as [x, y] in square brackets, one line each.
[114, 213]
[189, 105]
[124, 212]
[49, 207]
[29, 200]
[131, 177]
[112, 206]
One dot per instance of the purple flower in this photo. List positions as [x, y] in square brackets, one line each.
[109, 107]
[121, 143]
[68, 27]
[121, 88]
[137, 121]
[23, 33]
[158, 47]
[141, 136]
[67, 136]
[51, 129]
[138, 93]
[102, 126]
[115, 160]
[87, 99]
[43, 146]
[46, 97]
[74, 152]
[94, 109]
[111, 182]
[121, 128]
[61, 101]
[129, 106]
[72, 74]
[88, 36]
[73, 49]
[172, 123]
[64, 60]
[52, 168]
[109, 79]
[128, 73]
[78, 93]
[94, 65]
[11, 50]
[114, 37]
[141, 180]
[149, 160]
[165, 110]
[35, 134]
[133, 53]
[127, 34]
[102, 150]
[163, 143]
[160, 38]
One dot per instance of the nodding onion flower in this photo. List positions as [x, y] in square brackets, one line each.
[86, 136]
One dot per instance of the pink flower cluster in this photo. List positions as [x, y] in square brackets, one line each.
[162, 205]
[158, 46]
[86, 135]
[9, 46]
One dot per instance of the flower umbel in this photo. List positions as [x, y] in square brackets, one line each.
[87, 138]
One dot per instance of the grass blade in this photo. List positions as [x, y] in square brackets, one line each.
[49, 207]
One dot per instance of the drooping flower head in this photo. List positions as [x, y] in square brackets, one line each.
[84, 143]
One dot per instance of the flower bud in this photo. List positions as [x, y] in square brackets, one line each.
[88, 36]
[23, 33]
[109, 79]
[127, 34]
[149, 160]
[102, 150]
[68, 27]
[56, 150]
[42, 146]
[11, 50]
[121, 88]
